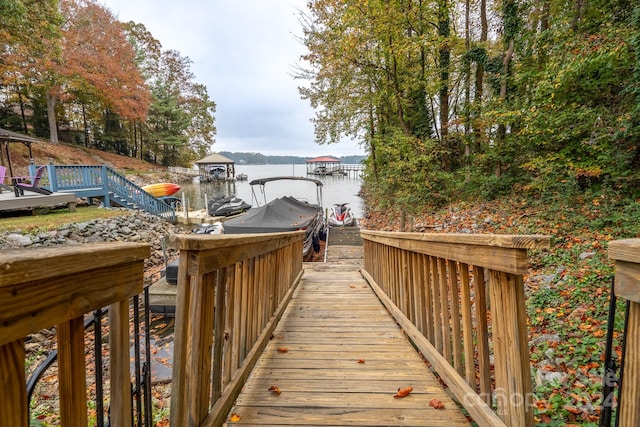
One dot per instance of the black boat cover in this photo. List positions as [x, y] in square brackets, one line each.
[282, 214]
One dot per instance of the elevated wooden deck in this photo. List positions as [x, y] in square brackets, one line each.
[338, 358]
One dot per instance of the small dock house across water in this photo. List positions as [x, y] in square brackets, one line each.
[216, 167]
[324, 166]
[331, 166]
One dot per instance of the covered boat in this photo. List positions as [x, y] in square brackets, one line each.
[283, 214]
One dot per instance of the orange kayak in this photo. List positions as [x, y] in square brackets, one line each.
[161, 189]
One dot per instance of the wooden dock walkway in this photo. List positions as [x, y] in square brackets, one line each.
[338, 358]
[344, 246]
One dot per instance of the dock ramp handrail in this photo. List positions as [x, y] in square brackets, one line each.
[460, 298]
[45, 287]
[626, 254]
[232, 290]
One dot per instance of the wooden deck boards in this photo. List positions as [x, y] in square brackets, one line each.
[333, 321]
[31, 200]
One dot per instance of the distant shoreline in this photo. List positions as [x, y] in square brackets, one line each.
[261, 159]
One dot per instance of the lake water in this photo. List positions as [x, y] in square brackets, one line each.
[335, 189]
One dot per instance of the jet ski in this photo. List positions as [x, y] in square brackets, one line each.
[227, 206]
[341, 215]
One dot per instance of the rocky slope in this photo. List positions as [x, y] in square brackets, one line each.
[135, 227]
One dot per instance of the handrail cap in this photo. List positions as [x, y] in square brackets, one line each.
[515, 241]
[625, 250]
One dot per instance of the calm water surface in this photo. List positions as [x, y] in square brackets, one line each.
[335, 189]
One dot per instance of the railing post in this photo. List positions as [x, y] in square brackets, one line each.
[53, 178]
[73, 381]
[630, 393]
[13, 389]
[513, 378]
[119, 355]
[105, 185]
[626, 254]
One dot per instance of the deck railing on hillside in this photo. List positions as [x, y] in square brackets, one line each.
[41, 288]
[231, 292]
[626, 254]
[184, 171]
[95, 181]
[460, 298]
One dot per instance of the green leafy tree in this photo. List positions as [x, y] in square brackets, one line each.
[181, 125]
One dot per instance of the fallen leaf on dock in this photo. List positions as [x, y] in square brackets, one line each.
[360, 360]
[275, 389]
[436, 404]
[234, 418]
[282, 349]
[403, 392]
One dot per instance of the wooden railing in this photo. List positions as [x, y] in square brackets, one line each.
[626, 254]
[232, 290]
[184, 171]
[460, 298]
[41, 288]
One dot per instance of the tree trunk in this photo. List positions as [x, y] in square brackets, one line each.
[22, 113]
[467, 89]
[578, 13]
[544, 26]
[479, 87]
[84, 120]
[444, 55]
[544, 16]
[502, 130]
[372, 144]
[135, 139]
[51, 115]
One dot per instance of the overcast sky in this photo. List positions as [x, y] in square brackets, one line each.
[244, 51]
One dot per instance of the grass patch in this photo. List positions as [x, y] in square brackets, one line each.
[28, 223]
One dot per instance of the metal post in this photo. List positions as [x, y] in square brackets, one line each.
[97, 325]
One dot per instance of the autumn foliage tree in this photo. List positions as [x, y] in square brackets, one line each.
[97, 61]
[30, 38]
[102, 81]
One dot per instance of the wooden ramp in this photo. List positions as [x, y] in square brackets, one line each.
[345, 246]
[338, 358]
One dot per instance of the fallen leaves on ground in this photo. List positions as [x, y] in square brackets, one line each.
[235, 418]
[282, 349]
